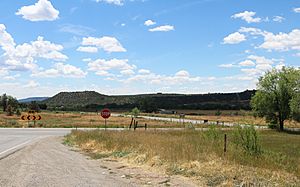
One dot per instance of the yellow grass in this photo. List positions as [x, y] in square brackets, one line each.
[199, 156]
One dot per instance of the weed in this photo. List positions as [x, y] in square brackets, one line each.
[248, 138]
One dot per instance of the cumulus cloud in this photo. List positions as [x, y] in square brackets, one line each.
[88, 49]
[106, 43]
[164, 28]
[115, 2]
[24, 56]
[252, 31]
[6, 40]
[149, 23]
[247, 16]
[31, 84]
[282, 41]
[127, 72]
[234, 38]
[179, 78]
[278, 19]
[102, 66]
[227, 65]
[40, 11]
[61, 70]
[144, 71]
[261, 65]
[247, 63]
[297, 10]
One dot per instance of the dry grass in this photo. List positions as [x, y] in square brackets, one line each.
[239, 117]
[200, 155]
[77, 119]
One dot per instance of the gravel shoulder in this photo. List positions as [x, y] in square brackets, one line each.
[50, 163]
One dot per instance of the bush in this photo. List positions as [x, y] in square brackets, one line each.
[213, 133]
[218, 113]
[248, 139]
[18, 112]
[135, 112]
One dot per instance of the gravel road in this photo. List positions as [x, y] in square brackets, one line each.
[48, 162]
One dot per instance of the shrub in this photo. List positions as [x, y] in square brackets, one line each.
[218, 113]
[18, 112]
[213, 133]
[248, 139]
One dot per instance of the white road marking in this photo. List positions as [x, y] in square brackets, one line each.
[20, 145]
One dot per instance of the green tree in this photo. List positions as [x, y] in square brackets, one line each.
[148, 105]
[9, 110]
[135, 112]
[4, 102]
[13, 102]
[277, 98]
[34, 106]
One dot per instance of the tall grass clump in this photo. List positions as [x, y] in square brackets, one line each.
[248, 139]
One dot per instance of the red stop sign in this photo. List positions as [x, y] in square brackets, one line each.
[105, 113]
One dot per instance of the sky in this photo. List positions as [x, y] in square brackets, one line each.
[119, 47]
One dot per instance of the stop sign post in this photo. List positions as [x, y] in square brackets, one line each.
[105, 113]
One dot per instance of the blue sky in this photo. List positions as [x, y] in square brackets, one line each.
[144, 46]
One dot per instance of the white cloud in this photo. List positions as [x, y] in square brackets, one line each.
[278, 19]
[31, 84]
[297, 10]
[78, 30]
[88, 49]
[61, 70]
[149, 23]
[86, 59]
[247, 16]
[6, 40]
[234, 38]
[24, 56]
[127, 72]
[247, 63]
[11, 77]
[179, 78]
[282, 41]
[182, 73]
[102, 66]
[144, 71]
[115, 2]
[108, 44]
[261, 59]
[262, 65]
[164, 28]
[227, 66]
[40, 11]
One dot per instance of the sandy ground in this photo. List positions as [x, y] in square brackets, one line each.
[50, 163]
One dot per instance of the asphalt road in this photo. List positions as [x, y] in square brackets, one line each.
[37, 158]
[12, 139]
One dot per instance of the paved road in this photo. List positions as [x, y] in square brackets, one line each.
[12, 139]
[37, 158]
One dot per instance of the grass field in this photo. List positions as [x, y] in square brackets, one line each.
[77, 119]
[200, 155]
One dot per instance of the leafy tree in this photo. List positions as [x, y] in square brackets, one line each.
[135, 112]
[4, 102]
[277, 98]
[9, 110]
[13, 102]
[34, 106]
[148, 105]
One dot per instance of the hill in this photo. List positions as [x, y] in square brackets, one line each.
[91, 101]
[30, 99]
